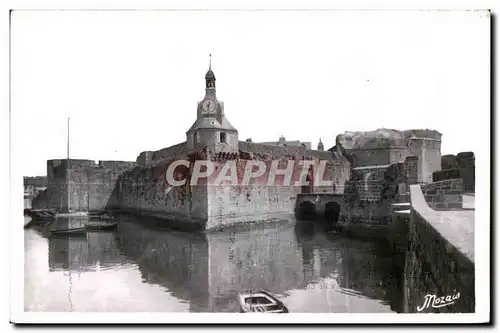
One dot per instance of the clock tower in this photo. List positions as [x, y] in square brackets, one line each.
[211, 128]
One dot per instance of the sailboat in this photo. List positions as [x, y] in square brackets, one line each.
[69, 213]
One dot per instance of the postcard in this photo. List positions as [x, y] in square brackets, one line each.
[250, 166]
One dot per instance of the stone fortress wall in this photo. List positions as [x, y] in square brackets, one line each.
[260, 202]
[439, 256]
[460, 166]
[372, 189]
[385, 162]
[32, 187]
[436, 231]
[86, 184]
[370, 172]
[370, 169]
[389, 146]
[144, 190]
[140, 187]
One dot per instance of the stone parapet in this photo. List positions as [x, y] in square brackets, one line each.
[445, 194]
[440, 258]
[445, 174]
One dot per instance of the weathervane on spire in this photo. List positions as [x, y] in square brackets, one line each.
[210, 61]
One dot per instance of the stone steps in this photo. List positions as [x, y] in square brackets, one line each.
[403, 197]
[400, 206]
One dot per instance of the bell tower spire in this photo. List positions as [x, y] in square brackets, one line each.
[320, 145]
[210, 76]
[211, 128]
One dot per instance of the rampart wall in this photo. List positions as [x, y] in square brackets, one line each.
[460, 166]
[267, 198]
[142, 188]
[440, 258]
[90, 186]
[386, 146]
[148, 157]
[445, 194]
[146, 191]
[37, 181]
[236, 198]
[264, 152]
[371, 191]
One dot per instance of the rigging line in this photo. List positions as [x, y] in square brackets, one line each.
[327, 296]
[69, 291]
[70, 280]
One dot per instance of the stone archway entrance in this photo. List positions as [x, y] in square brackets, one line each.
[307, 210]
[332, 212]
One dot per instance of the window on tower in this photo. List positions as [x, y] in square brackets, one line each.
[223, 137]
[196, 138]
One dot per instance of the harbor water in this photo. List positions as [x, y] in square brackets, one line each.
[142, 267]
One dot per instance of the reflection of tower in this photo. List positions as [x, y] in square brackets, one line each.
[67, 253]
[308, 260]
[264, 258]
[317, 263]
[83, 253]
[177, 261]
[347, 283]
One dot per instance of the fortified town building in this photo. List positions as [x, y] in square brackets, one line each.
[358, 160]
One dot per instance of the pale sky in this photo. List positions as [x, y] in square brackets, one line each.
[130, 80]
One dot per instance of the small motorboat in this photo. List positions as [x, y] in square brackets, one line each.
[69, 232]
[260, 301]
[100, 226]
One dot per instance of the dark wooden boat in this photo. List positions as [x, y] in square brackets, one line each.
[42, 214]
[71, 215]
[101, 226]
[69, 232]
[101, 215]
[260, 301]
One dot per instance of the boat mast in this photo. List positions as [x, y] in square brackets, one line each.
[68, 169]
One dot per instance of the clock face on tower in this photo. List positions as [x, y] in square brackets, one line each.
[209, 106]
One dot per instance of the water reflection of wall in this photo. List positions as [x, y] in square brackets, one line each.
[207, 270]
[359, 271]
[175, 260]
[372, 272]
[262, 258]
[360, 267]
[84, 253]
